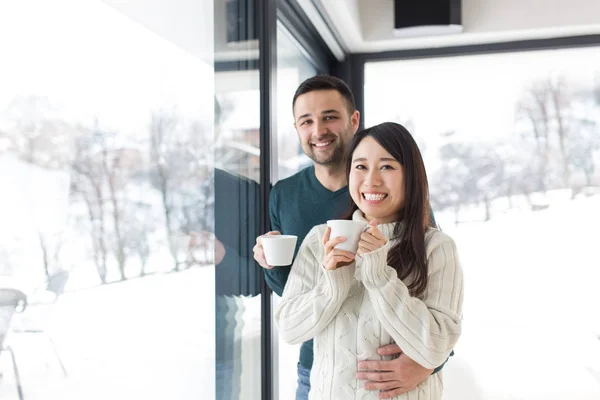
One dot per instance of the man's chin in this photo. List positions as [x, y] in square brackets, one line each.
[324, 162]
[331, 159]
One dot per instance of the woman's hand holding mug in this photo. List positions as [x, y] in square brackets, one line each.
[335, 258]
[371, 239]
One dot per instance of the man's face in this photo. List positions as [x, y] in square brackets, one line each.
[324, 125]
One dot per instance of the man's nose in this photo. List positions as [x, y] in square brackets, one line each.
[320, 128]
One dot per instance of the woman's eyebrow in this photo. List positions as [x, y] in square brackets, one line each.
[363, 159]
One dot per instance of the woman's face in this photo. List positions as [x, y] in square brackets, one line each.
[376, 182]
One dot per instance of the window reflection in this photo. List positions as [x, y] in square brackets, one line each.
[293, 67]
[106, 207]
[237, 224]
[237, 217]
[512, 147]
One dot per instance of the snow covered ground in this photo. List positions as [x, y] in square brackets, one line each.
[531, 323]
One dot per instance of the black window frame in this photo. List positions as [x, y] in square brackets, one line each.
[354, 68]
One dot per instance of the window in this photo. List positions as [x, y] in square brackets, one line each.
[512, 149]
[107, 203]
[293, 67]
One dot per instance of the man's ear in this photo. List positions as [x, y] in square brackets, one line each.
[355, 120]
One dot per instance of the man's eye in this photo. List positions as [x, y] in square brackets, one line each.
[305, 122]
[330, 117]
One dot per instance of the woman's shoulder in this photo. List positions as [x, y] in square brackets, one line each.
[435, 238]
[316, 233]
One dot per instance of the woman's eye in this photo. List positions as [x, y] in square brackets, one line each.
[359, 166]
[387, 167]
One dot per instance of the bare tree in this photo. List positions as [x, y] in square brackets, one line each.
[181, 170]
[162, 156]
[471, 173]
[51, 246]
[114, 173]
[102, 168]
[535, 110]
[139, 228]
[548, 106]
[561, 104]
[453, 184]
[582, 147]
[87, 182]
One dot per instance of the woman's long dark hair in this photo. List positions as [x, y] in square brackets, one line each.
[407, 256]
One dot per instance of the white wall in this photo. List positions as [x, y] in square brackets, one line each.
[186, 23]
[484, 21]
[494, 15]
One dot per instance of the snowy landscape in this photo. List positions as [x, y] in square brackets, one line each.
[531, 323]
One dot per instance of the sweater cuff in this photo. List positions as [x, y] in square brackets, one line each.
[340, 279]
[374, 268]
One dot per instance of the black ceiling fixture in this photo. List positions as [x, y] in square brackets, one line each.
[427, 17]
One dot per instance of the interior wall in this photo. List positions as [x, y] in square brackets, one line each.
[484, 21]
[505, 15]
[182, 22]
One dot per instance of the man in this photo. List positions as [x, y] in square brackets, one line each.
[326, 118]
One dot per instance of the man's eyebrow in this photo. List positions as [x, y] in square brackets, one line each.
[325, 112]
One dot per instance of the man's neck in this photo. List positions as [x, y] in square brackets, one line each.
[332, 177]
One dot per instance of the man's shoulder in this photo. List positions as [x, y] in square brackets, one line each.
[293, 181]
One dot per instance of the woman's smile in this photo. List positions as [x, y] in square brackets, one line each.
[374, 197]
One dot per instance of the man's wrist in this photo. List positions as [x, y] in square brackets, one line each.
[438, 369]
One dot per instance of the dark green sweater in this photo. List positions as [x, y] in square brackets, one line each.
[296, 205]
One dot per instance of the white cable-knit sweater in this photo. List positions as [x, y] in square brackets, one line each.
[353, 310]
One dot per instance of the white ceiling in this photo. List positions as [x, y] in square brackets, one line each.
[366, 26]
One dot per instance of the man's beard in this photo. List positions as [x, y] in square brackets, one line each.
[335, 157]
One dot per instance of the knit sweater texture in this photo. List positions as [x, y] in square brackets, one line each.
[353, 310]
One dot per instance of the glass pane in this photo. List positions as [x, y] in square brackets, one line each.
[512, 147]
[293, 67]
[236, 179]
[107, 201]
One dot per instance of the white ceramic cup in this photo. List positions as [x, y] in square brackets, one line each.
[349, 229]
[279, 249]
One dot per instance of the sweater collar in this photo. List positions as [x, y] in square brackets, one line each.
[386, 229]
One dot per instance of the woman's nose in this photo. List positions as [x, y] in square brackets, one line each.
[373, 178]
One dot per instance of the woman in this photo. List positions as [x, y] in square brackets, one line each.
[403, 286]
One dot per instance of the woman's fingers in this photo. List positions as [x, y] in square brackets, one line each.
[330, 244]
[333, 260]
[371, 240]
[326, 235]
[368, 238]
[364, 249]
[375, 232]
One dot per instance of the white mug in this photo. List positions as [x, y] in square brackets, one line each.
[349, 229]
[279, 249]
